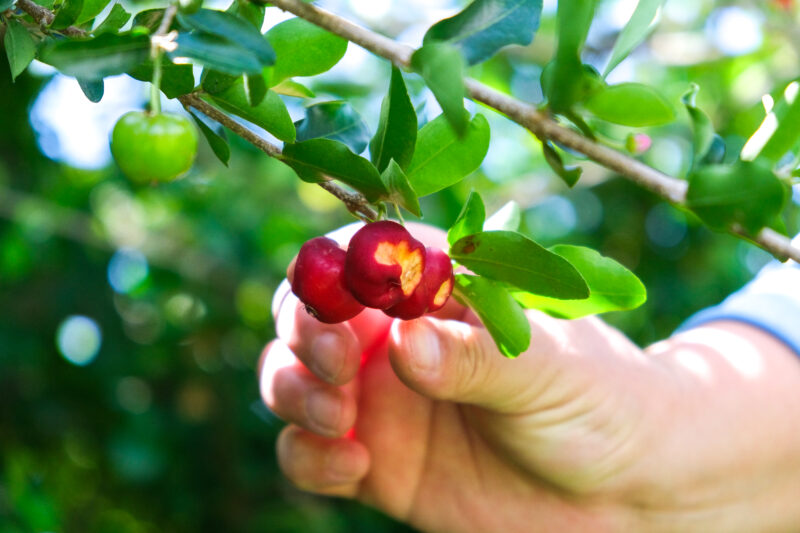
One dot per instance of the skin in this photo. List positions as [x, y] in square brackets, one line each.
[427, 422]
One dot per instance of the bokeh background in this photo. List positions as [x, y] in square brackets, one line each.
[132, 319]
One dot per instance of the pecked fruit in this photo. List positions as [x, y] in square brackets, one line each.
[318, 281]
[384, 264]
[432, 292]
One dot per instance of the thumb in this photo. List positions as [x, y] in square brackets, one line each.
[454, 361]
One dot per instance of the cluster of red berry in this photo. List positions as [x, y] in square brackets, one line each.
[384, 267]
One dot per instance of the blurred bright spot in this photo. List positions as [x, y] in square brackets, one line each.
[617, 14]
[735, 31]
[184, 309]
[316, 198]
[752, 257]
[510, 155]
[751, 84]
[666, 155]
[552, 219]
[76, 131]
[121, 215]
[134, 395]
[127, 270]
[195, 402]
[683, 12]
[371, 9]
[253, 302]
[665, 226]
[142, 321]
[78, 339]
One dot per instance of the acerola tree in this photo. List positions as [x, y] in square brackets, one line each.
[246, 74]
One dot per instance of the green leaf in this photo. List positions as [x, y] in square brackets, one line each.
[90, 9]
[151, 19]
[92, 89]
[778, 133]
[271, 114]
[612, 286]
[486, 26]
[470, 220]
[20, 48]
[303, 49]
[249, 11]
[570, 174]
[400, 191]
[105, 55]
[176, 80]
[747, 193]
[292, 88]
[631, 104]
[337, 121]
[397, 128]
[6, 4]
[563, 86]
[441, 159]
[634, 32]
[233, 28]
[501, 315]
[67, 14]
[441, 65]
[114, 21]
[701, 124]
[507, 218]
[217, 53]
[254, 88]
[215, 135]
[215, 82]
[315, 159]
[512, 258]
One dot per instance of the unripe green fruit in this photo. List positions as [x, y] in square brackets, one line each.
[152, 148]
[190, 6]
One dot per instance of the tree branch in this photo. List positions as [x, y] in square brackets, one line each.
[669, 188]
[355, 202]
[45, 17]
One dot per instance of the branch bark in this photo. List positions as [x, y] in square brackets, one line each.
[669, 188]
[355, 202]
[45, 17]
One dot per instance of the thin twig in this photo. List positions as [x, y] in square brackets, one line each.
[45, 17]
[669, 188]
[356, 203]
[166, 20]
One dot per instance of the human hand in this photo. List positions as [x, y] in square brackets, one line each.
[426, 421]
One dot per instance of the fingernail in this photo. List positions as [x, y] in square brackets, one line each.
[324, 411]
[327, 356]
[424, 351]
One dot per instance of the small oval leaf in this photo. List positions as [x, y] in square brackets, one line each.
[512, 258]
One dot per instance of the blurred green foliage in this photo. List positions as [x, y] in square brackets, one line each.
[164, 430]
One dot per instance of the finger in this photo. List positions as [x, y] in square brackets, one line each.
[325, 466]
[455, 361]
[331, 351]
[295, 395]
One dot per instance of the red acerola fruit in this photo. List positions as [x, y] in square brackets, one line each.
[318, 282]
[384, 264]
[432, 292]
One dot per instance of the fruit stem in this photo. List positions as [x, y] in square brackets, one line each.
[399, 214]
[155, 86]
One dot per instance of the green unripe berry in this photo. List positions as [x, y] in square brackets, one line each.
[153, 148]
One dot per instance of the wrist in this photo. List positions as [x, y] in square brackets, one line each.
[729, 448]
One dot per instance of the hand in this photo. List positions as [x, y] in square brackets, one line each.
[426, 421]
